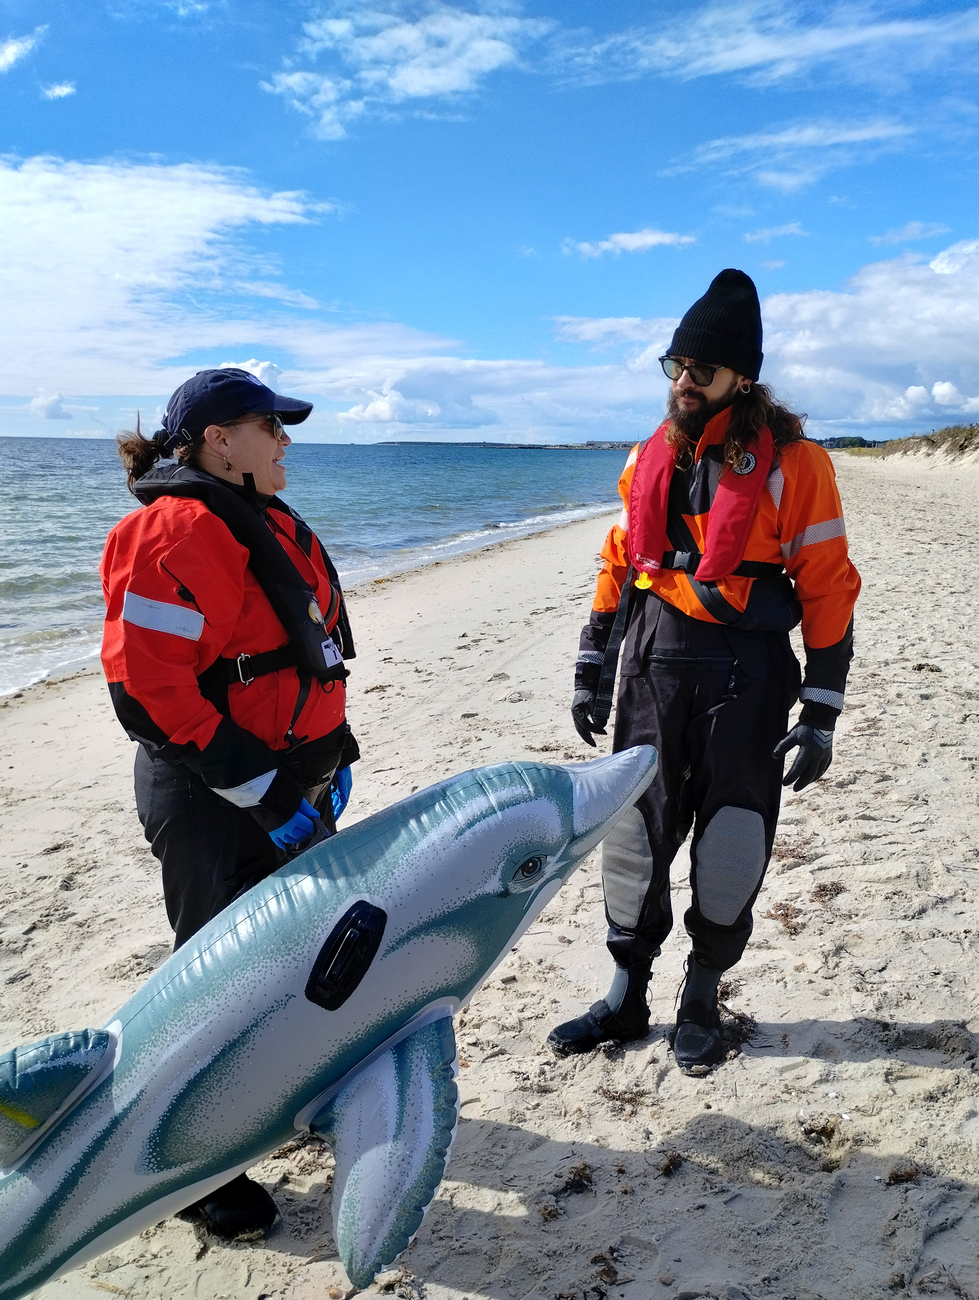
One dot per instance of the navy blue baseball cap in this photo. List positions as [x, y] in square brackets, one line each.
[220, 397]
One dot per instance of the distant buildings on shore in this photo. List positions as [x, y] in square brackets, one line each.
[520, 446]
[955, 439]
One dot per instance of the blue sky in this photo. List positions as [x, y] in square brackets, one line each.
[482, 220]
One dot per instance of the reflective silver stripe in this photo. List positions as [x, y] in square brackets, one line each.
[819, 696]
[814, 533]
[249, 794]
[776, 482]
[158, 616]
[624, 520]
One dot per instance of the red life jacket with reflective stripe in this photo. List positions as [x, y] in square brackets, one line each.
[729, 519]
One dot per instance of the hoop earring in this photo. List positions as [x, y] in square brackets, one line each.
[745, 389]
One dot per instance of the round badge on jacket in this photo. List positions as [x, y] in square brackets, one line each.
[748, 463]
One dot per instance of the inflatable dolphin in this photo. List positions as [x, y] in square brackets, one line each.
[320, 1000]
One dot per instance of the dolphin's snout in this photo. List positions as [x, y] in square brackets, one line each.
[604, 789]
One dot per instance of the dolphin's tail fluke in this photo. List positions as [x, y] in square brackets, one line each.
[605, 788]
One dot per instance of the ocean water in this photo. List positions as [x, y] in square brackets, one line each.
[377, 509]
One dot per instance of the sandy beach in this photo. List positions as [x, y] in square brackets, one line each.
[834, 1156]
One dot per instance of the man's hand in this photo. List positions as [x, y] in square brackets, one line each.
[581, 711]
[814, 756]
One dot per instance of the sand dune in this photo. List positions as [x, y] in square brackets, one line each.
[835, 1156]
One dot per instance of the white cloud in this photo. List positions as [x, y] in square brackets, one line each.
[791, 157]
[773, 265]
[49, 408]
[392, 407]
[897, 344]
[113, 269]
[601, 331]
[914, 230]
[270, 289]
[16, 48]
[637, 241]
[267, 371]
[412, 51]
[774, 232]
[61, 90]
[766, 41]
[100, 259]
[947, 395]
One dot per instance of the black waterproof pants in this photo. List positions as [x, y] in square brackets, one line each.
[714, 702]
[210, 851]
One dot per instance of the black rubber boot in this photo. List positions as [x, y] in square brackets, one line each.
[241, 1210]
[697, 1041]
[622, 1015]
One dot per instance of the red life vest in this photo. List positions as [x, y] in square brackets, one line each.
[731, 512]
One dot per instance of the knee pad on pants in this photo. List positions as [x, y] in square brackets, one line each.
[627, 869]
[731, 857]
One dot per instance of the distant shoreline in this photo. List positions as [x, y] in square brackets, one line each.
[515, 446]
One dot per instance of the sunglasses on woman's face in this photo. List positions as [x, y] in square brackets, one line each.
[701, 374]
[271, 423]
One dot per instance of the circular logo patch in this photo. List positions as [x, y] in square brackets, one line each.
[314, 612]
[748, 463]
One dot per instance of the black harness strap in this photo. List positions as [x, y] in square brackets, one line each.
[706, 592]
[689, 560]
[610, 660]
[305, 682]
[246, 668]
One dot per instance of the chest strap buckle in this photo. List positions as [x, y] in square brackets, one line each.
[244, 676]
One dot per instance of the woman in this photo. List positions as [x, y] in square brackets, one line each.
[225, 637]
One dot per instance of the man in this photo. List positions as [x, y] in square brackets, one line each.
[732, 532]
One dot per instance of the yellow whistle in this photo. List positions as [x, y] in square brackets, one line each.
[644, 582]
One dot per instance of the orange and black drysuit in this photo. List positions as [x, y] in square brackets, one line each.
[224, 643]
[721, 563]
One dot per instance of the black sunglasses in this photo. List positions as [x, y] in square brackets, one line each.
[701, 374]
[273, 424]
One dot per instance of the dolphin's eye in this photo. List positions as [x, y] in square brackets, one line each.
[530, 869]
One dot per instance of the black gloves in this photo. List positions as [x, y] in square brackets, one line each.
[814, 756]
[587, 672]
[581, 708]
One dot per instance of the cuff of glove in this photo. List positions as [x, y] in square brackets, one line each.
[822, 716]
[279, 802]
[587, 674]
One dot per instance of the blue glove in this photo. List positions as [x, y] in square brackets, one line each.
[298, 828]
[343, 782]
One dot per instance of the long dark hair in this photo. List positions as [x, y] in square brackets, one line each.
[139, 454]
[749, 412]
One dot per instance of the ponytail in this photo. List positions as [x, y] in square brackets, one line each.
[139, 454]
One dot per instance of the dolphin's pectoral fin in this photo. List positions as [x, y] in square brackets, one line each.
[39, 1082]
[391, 1128]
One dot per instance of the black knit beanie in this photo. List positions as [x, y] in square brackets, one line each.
[724, 326]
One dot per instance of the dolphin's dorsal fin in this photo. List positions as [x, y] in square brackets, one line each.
[39, 1082]
[391, 1128]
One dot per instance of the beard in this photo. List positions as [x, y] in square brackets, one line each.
[693, 422]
